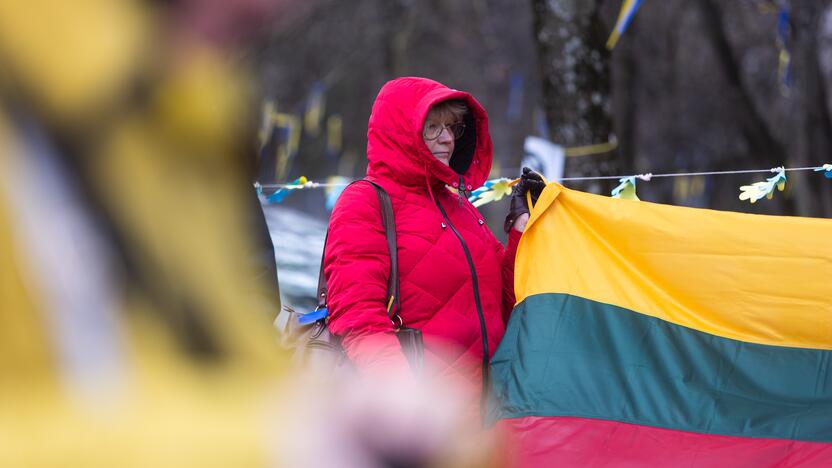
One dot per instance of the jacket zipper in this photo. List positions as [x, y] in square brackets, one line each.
[475, 284]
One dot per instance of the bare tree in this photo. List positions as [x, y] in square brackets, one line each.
[575, 72]
[812, 26]
[761, 141]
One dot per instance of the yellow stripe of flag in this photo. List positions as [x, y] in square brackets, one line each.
[754, 278]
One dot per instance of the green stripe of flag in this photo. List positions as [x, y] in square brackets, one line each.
[564, 355]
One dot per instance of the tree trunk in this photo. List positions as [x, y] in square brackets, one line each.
[812, 193]
[575, 71]
[759, 137]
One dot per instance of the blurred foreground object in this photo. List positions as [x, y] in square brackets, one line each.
[134, 329]
[133, 333]
[376, 423]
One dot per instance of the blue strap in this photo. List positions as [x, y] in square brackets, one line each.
[313, 316]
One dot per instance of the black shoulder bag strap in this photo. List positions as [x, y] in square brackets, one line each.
[387, 220]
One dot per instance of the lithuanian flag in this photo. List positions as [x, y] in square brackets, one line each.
[653, 335]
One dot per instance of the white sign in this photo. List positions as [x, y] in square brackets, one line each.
[544, 157]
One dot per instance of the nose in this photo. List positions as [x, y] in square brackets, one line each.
[446, 135]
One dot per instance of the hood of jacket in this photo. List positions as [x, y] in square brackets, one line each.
[396, 148]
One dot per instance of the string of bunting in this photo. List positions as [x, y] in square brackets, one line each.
[756, 191]
[495, 189]
[783, 42]
[625, 17]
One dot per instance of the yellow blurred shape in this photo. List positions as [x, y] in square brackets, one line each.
[71, 56]
[24, 353]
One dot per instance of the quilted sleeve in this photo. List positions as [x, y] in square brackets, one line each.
[357, 265]
[508, 272]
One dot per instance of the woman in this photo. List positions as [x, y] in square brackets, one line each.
[456, 279]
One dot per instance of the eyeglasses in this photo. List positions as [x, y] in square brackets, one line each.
[433, 131]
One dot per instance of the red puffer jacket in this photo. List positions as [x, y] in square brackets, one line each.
[456, 279]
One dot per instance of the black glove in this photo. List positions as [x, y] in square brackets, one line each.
[530, 182]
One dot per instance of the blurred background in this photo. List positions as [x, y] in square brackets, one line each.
[690, 86]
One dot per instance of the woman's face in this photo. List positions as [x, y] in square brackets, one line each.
[442, 147]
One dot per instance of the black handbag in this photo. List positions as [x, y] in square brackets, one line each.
[316, 347]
